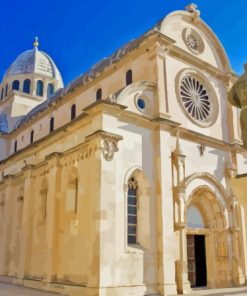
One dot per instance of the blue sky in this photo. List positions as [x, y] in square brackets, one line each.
[78, 33]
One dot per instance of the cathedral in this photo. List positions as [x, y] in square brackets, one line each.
[130, 180]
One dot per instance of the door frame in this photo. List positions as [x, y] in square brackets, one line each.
[210, 260]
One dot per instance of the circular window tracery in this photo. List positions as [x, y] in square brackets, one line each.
[197, 98]
[193, 41]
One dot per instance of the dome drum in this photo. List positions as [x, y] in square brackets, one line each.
[32, 73]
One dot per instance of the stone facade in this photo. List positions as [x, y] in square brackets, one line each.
[102, 197]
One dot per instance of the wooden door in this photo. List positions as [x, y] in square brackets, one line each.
[191, 260]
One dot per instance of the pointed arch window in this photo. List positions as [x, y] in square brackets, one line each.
[2, 93]
[16, 85]
[26, 86]
[99, 94]
[50, 90]
[132, 211]
[129, 77]
[40, 88]
[73, 112]
[52, 124]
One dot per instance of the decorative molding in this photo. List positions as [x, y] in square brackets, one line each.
[108, 143]
[208, 177]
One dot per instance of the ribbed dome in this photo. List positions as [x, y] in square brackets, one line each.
[34, 61]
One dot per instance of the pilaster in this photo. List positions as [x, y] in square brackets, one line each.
[7, 230]
[101, 148]
[27, 218]
[163, 104]
[180, 218]
[237, 270]
[165, 221]
[54, 169]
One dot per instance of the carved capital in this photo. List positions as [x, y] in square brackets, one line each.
[108, 143]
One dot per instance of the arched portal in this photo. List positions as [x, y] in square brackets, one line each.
[207, 249]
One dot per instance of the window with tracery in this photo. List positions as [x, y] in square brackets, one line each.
[195, 98]
[132, 211]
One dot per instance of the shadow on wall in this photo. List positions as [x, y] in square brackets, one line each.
[142, 143]
[219, 172]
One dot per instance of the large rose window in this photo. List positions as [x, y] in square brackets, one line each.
[198, 99]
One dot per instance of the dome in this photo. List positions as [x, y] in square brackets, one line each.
[3, 123]
[34, 61]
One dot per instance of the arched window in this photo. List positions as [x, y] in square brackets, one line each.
[26, 86]
[20, 200]
[129, 78]
[43, 202]
[50, 90]
[6, 89]
[99, 94]
[15, 146]
[73, 111]
[2, 93]
[72, 192]
[132, 211]
[16, 85]
[52, 124]
[31, 136]
[40, 88]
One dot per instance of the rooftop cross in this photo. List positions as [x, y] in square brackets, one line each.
[36, 43]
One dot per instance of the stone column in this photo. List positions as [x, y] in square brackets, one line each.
[54, 191]
[26, 227]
